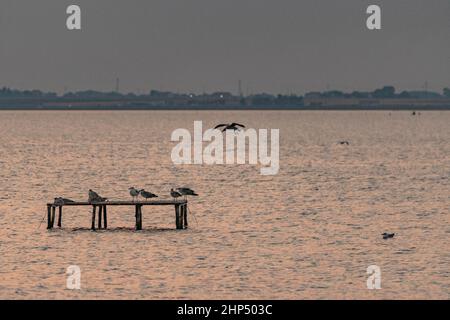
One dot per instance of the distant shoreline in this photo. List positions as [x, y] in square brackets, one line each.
[227, 108]
[385, 98]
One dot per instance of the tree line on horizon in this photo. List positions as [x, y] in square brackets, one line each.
[387, 92]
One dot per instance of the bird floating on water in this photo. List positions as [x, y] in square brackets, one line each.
[175, 194]
[388, 235]
[134, 192]
[147, 195]
[95, 197]
[232, 126]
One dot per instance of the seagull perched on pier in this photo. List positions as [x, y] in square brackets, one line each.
[187, 192]
[61, 201]
[233, 126]
[134, 192]
[147, 195]
[175, 194]
[95, 197]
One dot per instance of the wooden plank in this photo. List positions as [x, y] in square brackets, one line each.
[138, 215]
[100, 211]
[60, 217]
[125, 203]
[53, 215]
[105, 218]
[178, 222]
[93, 217]
[49, 217]
[180, 211]
[182, 216]
[185, 211]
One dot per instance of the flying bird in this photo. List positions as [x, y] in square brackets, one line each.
[175, 194]
[233, 126]
[134, 192]
[148, 195]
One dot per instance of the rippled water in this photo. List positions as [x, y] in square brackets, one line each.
[309, 232]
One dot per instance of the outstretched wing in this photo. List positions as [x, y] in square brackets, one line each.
[220, 126]
[234, 124]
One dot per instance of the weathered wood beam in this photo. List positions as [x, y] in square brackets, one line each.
[100, 211]
[125, 203]
[93, 217]
[49, 216]
[60, 216]
[105, 218]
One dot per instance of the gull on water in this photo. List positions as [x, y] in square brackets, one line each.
[147, 195]
[232, 126]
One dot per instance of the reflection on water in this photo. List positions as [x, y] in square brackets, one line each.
[309, 232]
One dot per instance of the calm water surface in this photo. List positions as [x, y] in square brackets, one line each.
[309, 232]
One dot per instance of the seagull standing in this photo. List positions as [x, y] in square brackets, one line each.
[232, 126]
[134, 192]
[95, 197]
[175, 194]
[187, 192]
[148, 195]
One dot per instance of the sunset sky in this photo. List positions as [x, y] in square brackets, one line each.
[274, 46]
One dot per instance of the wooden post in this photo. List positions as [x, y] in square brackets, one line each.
[53, 215]
[178, 217]
[137, 217]
[105, 218]
[49, 217]
[181, 216]
[140, 217]
[100, 211]
[185, 212]
[93, 218]
[60, 216]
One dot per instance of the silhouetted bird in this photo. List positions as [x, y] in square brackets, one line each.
[95, 197]
[233, 126]
[175, 194]
[60, 201]
[388, 235]
[134, 192]
[346, 143]
[148, 195]
[187, 192]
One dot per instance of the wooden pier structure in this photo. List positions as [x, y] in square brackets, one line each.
[181, 210]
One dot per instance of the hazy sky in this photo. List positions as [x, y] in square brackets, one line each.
[206, 45]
